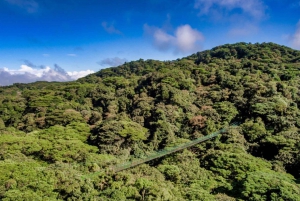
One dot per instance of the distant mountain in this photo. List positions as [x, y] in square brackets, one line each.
[54, 134]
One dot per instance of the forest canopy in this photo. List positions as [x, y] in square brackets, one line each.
[55, 136]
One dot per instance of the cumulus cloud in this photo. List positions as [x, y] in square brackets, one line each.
[30, 6]
[27, 74]
[162, 40]
[109, 28]
[254, 8]
[184, 40]
[79, 74]
[295, 39]
[116, 61]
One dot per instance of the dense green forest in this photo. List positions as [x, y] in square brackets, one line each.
[54, 136]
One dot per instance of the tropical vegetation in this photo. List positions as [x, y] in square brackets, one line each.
[59, 140]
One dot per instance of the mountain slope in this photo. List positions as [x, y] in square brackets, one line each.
[120, 113]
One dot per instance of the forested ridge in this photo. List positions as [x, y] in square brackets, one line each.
[52, 135]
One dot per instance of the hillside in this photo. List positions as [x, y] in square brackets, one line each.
[54, 134]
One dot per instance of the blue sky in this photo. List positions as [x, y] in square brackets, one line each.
[83, 36]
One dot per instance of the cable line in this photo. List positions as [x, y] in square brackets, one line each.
[164, 152]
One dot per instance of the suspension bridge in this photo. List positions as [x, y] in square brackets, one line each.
[163, 152]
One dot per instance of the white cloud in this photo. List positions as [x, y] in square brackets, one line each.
[30, 6]
[46, 55]
[79, 74]
[28, 74]
[110, 28]
[116, 61]
[253, 8]
[26, 69]
[72, 55]
[295, 39]
[162, 40]
[184, 40]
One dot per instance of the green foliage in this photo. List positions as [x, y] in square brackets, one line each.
[226, 110]
[24, 180]
[112, 136]
[2, 125]
[53, 135]
[132, 130]
[253, 131]
[171, 172]
[269, 185]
